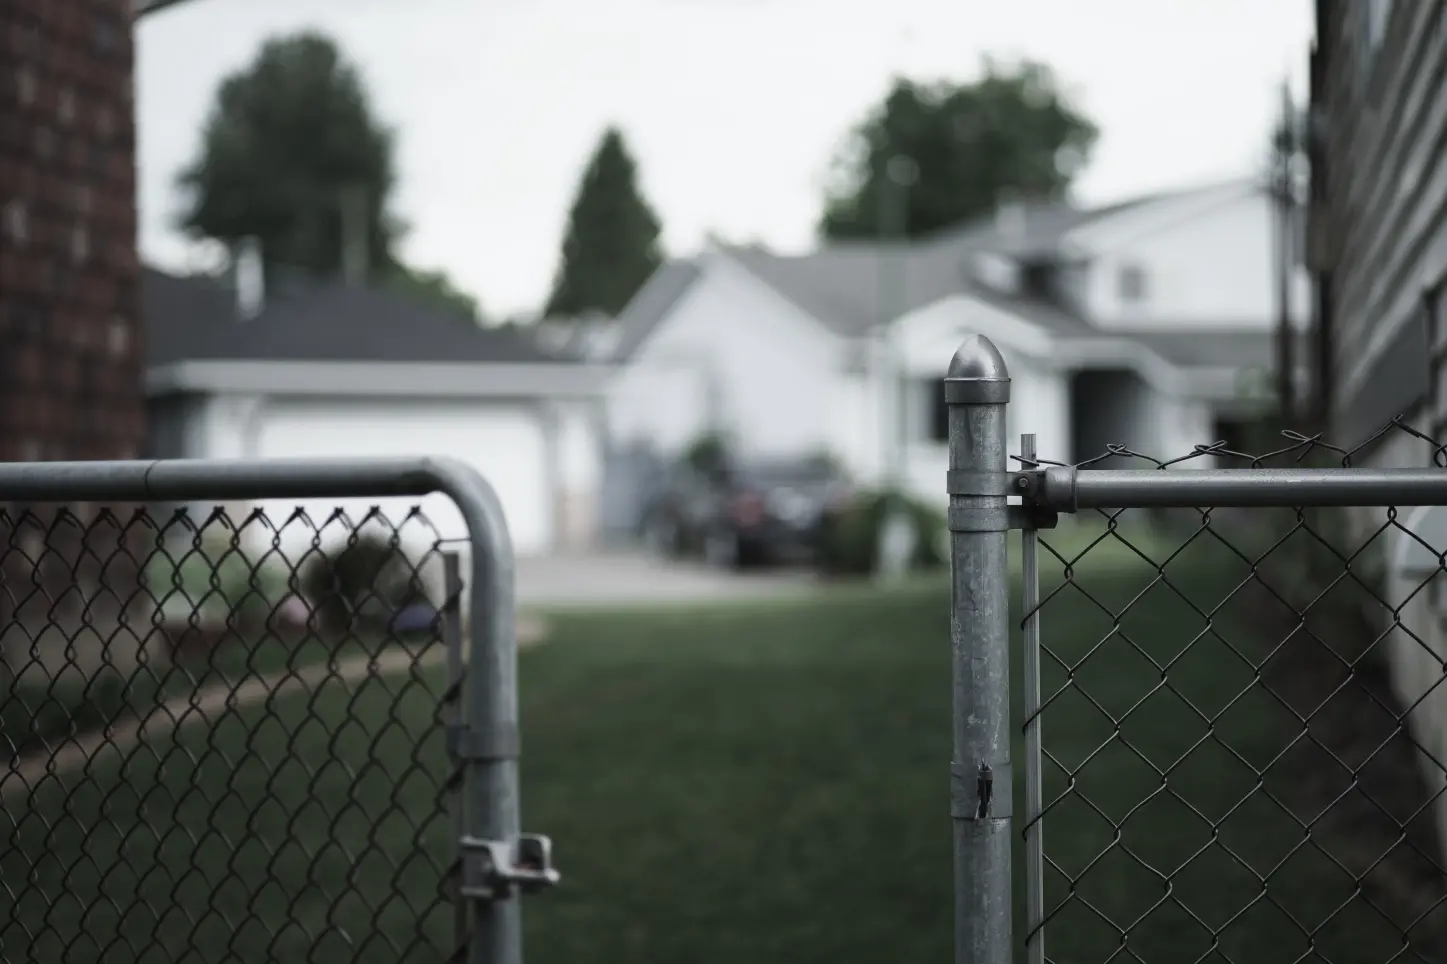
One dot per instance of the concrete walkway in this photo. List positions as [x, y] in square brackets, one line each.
[635, 579]
[556, 581]
[214, 699]
[202, 706]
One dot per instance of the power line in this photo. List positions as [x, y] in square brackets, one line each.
[142, 8]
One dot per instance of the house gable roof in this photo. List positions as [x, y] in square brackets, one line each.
[195, 319]
[852, 287]
[663, 290]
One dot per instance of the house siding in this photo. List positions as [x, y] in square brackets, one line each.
[1382, 181]
[1206, 260]
[731, 356]
[1378, 240]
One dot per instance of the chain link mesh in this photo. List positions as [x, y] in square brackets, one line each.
[225, 736]
[1243, 726]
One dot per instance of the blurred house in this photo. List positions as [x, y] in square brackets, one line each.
[1378, 247]
[71, 375]
[301, 368]
[588, 337]
[1147, 323]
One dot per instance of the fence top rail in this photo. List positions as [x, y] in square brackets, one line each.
[162, 480]
[1067, 489]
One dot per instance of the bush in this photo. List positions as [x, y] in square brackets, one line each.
[707, 454]
[37, 713]
[369, 578]
[218, 582]
[851, 537]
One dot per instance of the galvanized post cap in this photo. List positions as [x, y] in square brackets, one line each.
[977, 374]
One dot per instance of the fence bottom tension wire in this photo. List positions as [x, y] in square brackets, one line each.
[496, 870]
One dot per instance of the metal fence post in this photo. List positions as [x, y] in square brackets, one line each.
[452, 589]
[1030, 668]
[977, 388]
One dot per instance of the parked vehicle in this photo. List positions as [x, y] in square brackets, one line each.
[745, 512]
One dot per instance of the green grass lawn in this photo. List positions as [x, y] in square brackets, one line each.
[760, 783]
[310, 829]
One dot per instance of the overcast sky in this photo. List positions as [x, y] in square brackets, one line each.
[733, 107]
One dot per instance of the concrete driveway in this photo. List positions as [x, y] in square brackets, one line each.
[633, 579]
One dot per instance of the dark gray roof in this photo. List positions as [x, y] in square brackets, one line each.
[1048, 316]
[195, 318]
[1040, 226]
[652, 303]
[1214, 347]
[854, 285]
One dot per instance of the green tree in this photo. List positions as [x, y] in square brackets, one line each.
[611, 246]
[960, 148]
[436, 288]
[293, 156]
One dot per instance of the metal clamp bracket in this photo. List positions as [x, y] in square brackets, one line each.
[496, 870]
[998, 518]
[1028, 484]
[981, 791]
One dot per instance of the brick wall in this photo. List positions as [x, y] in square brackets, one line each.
[71, 352]
[71, 368]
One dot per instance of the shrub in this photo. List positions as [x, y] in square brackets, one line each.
[218, 582]
[369, 578]
[707, 454]
[35, 713]
[851, 537]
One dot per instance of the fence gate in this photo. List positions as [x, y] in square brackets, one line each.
[257, 733]
[1230, 717]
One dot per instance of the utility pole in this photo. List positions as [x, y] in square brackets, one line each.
[142, 8]
[897, 535]
[356, 236]
[900, 173]
[1283, 192]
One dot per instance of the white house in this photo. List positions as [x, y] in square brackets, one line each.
[1147, 323]
[322, 369]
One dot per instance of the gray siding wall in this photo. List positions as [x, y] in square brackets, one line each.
[1384, 117]
[1384, 160]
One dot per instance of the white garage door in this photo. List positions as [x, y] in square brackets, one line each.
[505, 443]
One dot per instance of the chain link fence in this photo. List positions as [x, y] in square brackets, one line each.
[1228, 771]
[1233, 721]
[241, 730]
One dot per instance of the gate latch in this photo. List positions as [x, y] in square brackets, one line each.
[496, 870]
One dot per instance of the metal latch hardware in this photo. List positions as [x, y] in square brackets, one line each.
[496, 870]
[984, 791]
[1028, 483]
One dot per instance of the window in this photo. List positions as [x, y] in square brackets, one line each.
[1131, 283]
[1415, 557]
[937, 426]
[1371, 28]
[80, 243]
[25, 87]
[1378, 13]
[119, 338]
[16, 223]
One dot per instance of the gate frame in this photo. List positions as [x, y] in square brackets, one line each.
[496, 861]
[976, 389]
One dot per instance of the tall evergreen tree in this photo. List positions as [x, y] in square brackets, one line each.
[965, 146]
[612, 241]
